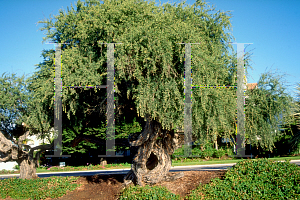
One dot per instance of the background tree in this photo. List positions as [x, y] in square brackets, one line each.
[289, 142]
[15, 110]
[264, 108]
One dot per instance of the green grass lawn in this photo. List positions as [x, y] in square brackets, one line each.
[51, 187]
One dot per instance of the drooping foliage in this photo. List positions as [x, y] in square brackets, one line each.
[14, 101]
[268, 108]
[149, 64]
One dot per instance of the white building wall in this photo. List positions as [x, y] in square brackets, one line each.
[7, 165]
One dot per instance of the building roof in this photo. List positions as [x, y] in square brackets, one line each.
[251, 86]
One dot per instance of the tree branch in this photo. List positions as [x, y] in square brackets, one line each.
[41, 147]
[8, 149]
[98, 141]
[5, 144]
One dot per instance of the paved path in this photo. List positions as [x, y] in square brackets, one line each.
[124, 171]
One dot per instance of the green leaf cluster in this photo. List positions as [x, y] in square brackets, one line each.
[35, 188]
[121, 131]
[149, 62]
[208, 152]
[259, 179]
[14, 103]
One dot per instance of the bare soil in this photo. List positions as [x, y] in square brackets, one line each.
[108, 187]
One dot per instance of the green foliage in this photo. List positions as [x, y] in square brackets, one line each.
[35, 188]
[229, 152]
[208, 152]
[4, 171]
[259, 179]
[264, 105]
[122, 130]
[149, 71]
[219, 153]
[149, 64]
[17, 167]
[197, 152]
[178, 152]
[147, 192]
[14, 103]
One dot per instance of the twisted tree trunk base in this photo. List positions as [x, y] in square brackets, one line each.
[129, 179]
[152, 162]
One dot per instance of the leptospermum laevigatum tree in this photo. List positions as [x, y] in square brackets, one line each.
[16, 110]
[149, 67]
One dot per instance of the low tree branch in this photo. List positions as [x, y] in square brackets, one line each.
[42, 147]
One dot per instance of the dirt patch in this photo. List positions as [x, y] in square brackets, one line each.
[108, 187]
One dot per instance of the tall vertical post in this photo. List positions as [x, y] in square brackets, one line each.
[58, 105]
[241, 83]
[110, 131]
[187, 102]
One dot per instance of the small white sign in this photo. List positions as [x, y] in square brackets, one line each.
[62, 164]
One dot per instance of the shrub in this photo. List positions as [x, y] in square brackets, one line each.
[229, 152]
[208, 152]
[178, 152]
[254, 179]
[17, 167]
[196, 151]
[220, 153]
[147, 192]
[4, 171]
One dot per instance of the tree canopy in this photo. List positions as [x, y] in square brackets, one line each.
[149, 65]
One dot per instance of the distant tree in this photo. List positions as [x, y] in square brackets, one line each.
[15, 111]
[263, 109]
[292, 129]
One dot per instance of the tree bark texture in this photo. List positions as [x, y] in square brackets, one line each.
[152, 161]
[11, 150]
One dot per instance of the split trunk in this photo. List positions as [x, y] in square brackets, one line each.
[152, 162]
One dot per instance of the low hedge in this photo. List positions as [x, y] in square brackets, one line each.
[209, 152]
[147, 192]
[254, 179]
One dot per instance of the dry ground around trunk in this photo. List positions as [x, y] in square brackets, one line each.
[108, 187]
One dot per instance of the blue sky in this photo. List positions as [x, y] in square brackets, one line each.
[271, 25]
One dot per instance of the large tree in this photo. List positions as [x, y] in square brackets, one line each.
[149, 67]
[16, 107]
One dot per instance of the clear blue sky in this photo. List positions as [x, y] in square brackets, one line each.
[271, 25]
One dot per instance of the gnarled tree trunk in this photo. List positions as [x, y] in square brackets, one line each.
[152, 161]
[27, 167]
[12, 150]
